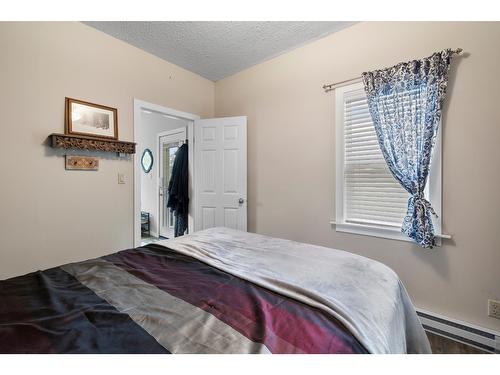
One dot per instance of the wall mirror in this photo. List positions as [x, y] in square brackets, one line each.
[147, 160]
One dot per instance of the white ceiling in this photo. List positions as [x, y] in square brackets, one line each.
[216, 50]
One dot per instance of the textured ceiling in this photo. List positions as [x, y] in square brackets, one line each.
[216, 50]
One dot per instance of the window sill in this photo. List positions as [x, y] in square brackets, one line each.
[392, 233]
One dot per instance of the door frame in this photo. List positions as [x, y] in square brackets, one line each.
[158, 169]
[143, 105]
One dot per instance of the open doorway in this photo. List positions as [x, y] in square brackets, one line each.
[169, 143]
[159, 132]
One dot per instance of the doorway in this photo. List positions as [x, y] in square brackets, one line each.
[218, 194]
[169, 142]
[143, 111]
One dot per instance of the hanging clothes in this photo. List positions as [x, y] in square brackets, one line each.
[178, 198]
[180, 224]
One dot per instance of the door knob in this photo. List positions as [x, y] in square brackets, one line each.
[241, 201]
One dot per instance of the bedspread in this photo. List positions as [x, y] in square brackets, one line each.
[157, 299]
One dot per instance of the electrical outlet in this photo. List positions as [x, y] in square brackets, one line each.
[494, 308]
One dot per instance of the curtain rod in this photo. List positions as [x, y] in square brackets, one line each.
[333, 86]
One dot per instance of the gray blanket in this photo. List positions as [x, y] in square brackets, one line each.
[365, 295]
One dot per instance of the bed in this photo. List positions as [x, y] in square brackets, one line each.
[214, 291]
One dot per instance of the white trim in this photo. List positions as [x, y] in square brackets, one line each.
[433, 188]
[393, 233]
[339, 155]
[182, 130]
[191, 180]
[435, 183]
[378, 231]
[179, 134]
[138, 106]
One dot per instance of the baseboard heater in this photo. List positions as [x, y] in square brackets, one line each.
[478, 337]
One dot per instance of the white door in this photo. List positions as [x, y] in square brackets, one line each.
[169, 143]
[220, 173]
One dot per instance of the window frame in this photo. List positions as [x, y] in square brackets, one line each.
[433, 188]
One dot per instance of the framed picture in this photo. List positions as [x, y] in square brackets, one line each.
[94, 120]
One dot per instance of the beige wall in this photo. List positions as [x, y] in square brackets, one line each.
[50, 216]
[291, 155]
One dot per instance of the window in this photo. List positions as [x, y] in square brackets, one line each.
[368, 198]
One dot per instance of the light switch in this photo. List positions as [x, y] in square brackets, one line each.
[121, 178]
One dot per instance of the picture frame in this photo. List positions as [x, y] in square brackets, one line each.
[90, 119]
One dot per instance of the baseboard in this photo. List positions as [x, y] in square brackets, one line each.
[478, 337]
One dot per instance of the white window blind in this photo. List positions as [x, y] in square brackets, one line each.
[372, 195]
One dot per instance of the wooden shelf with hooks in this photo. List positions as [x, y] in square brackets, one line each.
[81, 142]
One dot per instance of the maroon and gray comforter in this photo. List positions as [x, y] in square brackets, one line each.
[214, 291]
[155, 300]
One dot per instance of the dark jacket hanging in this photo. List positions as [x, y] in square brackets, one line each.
[178, 199]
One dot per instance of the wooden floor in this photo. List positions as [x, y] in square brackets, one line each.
[443, 345]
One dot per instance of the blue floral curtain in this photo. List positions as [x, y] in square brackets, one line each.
[405, 103]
